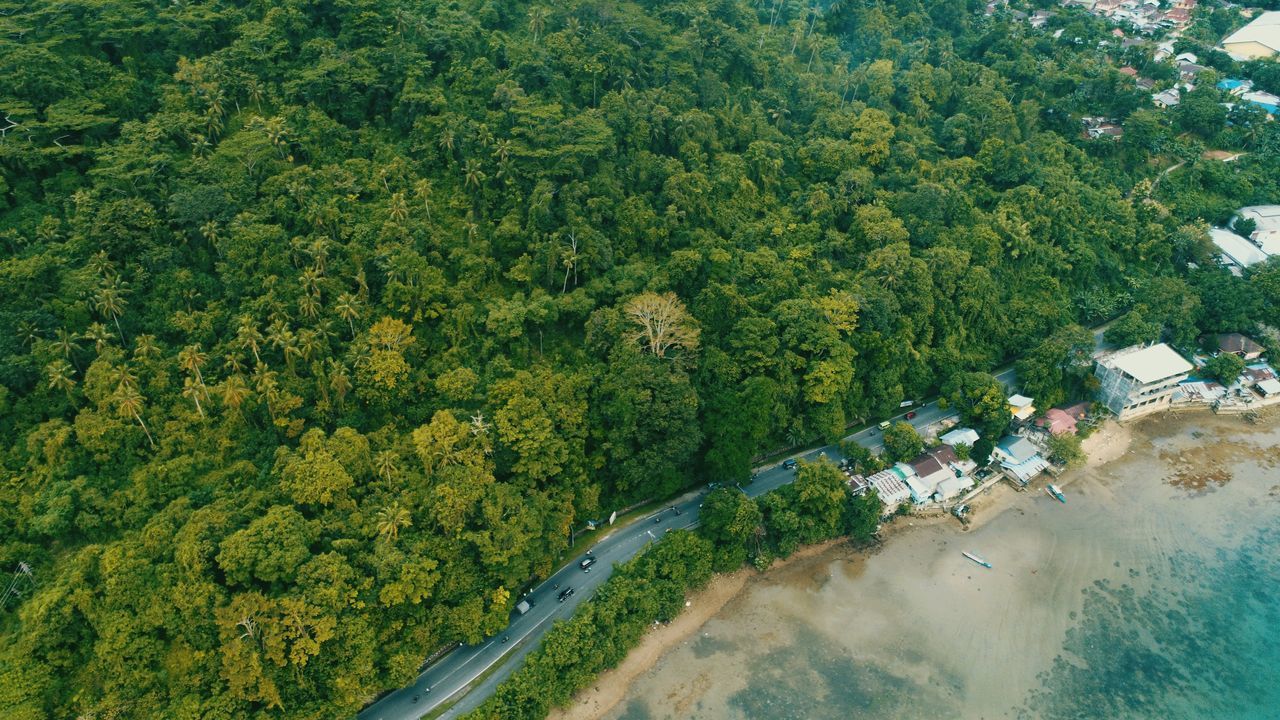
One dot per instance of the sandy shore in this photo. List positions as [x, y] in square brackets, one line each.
[919, 576]
[612, 685]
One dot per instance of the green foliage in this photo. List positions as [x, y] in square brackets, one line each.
[325, 322]
[902, 442]
[1225, 368]
[1064, 448]
[981, 401]
[1059, 367]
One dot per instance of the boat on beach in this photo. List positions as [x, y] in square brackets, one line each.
[1055, 492]
[976, 559]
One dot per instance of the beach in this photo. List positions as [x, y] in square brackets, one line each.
[1126, 601]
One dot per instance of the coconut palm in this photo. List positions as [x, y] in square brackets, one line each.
[193, 390]
[145, 347]
[109, 300]
[101, 337]
[248, 337]
[130, 404]
[191, 358]
[348, 307]
[387, 463]
[390, 519]
[59, 373]
[66, 343]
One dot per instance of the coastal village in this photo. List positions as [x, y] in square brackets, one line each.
[1132, 382]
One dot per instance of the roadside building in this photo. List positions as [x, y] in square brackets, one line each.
[1019, 457]
[960, 436]
[891, 486]
[1020, 406]
[857, 483]
[1259, 39]
[1057, 422]
[1239, 345]
[1268, 388]
[952, 487]
[1167, 98]
[1236, 253]
[932, 467]
[1139, 380]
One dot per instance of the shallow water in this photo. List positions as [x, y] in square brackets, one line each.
[1153, 593]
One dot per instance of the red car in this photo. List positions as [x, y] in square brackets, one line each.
[911, 414]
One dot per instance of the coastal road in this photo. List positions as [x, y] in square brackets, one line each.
[453, 677]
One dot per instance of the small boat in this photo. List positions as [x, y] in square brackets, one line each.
[977, 559]
[1054, 491]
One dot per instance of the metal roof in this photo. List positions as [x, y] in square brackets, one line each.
[1150, 364]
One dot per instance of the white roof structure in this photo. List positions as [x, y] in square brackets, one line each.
[1264, 31]
[960, 436]
[1020, 401]
[921, 491]
[1269, 387]
[953, 486]
[890, 487]
[1267, 233]
[1150, 364]
[1235, 249]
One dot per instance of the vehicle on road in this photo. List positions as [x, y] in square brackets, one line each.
[884, 425]
[523, 607]
[565, 594]
[676, 510]
[911, 414]
[587, 563]
[657, 518]
[789, 463]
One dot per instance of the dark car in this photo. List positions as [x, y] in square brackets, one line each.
[911, 414]
[565, 594]
[587, 563]
[789, 464]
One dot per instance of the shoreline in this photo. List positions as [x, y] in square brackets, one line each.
[1109, 443]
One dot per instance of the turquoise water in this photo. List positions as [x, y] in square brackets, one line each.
[1141, 599]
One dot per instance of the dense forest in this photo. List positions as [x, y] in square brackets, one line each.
[326, 322]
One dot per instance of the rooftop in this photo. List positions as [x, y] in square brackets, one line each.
[1020, 401]
[1264, 30]
[1237, 249]
[1018, 448]
[960, 436]
[1149, 364]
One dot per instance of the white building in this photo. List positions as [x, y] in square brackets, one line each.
[1237, 253]
[892, 488]
[1139, 380]
[960, 436]
[1020, 457]
[953, 487]
[1020, 407]
[1258, 39]
[1266, 233]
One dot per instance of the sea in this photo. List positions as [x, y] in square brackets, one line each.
[1152, 593]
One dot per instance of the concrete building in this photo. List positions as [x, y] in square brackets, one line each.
[1236, 252]
[1020, 406]
[1139, 380]
[1259, 39]
[1240, 345]
[1019, 457]
[960, 436]
[952, 487]
[892, 488]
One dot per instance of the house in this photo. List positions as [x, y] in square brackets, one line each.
[1145, 84]
[1259, 39]
[1167, 98]
[1186, 57]
[1265, 101]
[1268, 388]
[1057, 422]
[960, 436]
[1236, 252]
[1040, 18]
[1239, 345]
[1131, 72]
[1178, 16]
[1020, 407]
[1020, 457]
[857, 483]
[1138, 380]
[929, 472]
[952, 487]
[1266, 235]
[891, 486]
[1188, 72]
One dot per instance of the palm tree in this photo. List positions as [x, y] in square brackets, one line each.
[145, 347]
[537, 21]
[309, 344]
[191, 358]
[472, 174]
[59, 372]
[309, 305]
[66, 343]
[390, 519]
[97, 332]
[279, 335]
[398, 210]
[339, 380]
[423, 190]
[124, 376]
[110, 301]
[388, 464]
[193, 389]
[348, 307]
[234, 392]
[248, 337]
[28, 332]
[130, 402]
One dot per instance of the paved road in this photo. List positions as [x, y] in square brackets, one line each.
[450, 677]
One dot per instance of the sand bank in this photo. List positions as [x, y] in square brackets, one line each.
[884, 605]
